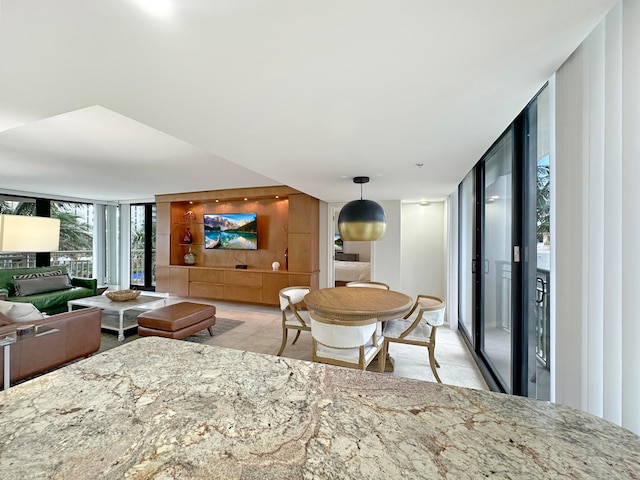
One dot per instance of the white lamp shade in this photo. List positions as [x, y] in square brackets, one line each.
[21, 233]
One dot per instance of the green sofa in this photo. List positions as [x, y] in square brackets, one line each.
[49, 302]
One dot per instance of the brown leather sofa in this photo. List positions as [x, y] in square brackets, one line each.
[78, 336]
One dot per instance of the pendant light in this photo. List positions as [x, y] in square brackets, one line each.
[362, 220]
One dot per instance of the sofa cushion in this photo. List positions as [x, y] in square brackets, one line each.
[6, 275]
[41, 284]
[54, 302]
[20, 312]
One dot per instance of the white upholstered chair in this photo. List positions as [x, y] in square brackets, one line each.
[294, 314]
[419, 327]
[345, 343]
[368, 284]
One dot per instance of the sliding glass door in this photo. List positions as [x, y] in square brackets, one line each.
[503, 258]
[496, 271]
[467, 252]
[538, 233]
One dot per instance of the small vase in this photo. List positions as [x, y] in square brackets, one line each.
[275, 265]
[189, 258]
[188, 238]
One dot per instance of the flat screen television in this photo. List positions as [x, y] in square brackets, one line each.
[231, 231]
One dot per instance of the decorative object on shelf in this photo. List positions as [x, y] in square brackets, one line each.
[123, 295]
[275, 265]
[189, 258]
[188, 237]
[189, 216]
[362, 220]
[286, 259]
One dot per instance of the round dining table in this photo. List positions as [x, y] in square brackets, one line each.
[358, 303]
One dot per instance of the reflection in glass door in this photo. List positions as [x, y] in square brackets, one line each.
[496, 258]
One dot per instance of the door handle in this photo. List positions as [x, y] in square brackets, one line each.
[541, 291]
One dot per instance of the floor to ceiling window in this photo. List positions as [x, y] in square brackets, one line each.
[143, 246]
[503, 256]
[76, 237]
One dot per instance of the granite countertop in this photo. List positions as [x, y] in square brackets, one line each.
[159, 408]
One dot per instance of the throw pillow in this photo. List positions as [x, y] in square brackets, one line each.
[32, 286]
[4, 320]
[20, 312]
[38, 274]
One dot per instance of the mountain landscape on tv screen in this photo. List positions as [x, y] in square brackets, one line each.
[231, 231]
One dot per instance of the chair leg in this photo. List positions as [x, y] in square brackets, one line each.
[296, 339]
[210, 331]
[437, 364]
[382, 357]
[433, 363]
[284, 340]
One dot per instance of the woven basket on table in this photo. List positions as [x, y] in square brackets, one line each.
[123, 295]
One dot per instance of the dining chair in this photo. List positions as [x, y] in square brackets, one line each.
[368, 284]
[352, 344]
[418, 327]
[294, 313]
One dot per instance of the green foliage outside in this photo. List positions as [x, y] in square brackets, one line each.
[543, 201]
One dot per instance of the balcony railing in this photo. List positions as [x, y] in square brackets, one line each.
[543, 341]
[137, 267]
[542, 307]
[79, 263]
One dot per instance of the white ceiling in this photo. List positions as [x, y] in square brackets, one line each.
[110, 101]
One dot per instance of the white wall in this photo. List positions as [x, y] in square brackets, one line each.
[386, 260]
[597, 225]
[423, 249]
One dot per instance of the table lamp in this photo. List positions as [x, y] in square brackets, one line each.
[21, 233]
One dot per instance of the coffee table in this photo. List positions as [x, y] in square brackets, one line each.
[106, 305]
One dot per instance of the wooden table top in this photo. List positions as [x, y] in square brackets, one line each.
[358, 303]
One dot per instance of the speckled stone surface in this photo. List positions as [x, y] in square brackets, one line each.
[165, 409]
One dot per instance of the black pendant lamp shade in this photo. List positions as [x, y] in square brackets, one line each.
[362, 220]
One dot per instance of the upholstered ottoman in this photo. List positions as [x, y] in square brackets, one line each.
[177, 321]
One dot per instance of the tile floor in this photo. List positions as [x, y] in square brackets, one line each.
[262, 333]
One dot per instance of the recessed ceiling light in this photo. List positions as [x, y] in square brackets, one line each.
[158, 8]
